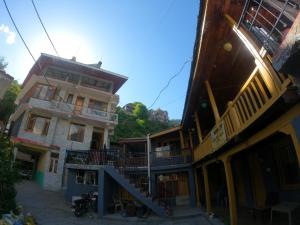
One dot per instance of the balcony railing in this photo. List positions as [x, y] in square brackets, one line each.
[128, 160]
[171, 157]
[269, 20]
[70, 108]
[257, 95]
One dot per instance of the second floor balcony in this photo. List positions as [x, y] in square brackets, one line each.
[71, 109]
[129, 160]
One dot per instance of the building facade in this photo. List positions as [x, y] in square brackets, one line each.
[63, 105]
[5, 81]
[242, 110]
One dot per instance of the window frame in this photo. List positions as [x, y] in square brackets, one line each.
[46, 124]
[81, 140]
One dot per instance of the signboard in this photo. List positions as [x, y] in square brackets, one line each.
[218, 136]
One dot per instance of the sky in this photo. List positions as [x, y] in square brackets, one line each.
[146, 40]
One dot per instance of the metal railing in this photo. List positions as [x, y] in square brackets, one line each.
[70, 108]
[171, 157]
[269, 20]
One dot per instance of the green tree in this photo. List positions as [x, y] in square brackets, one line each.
[140, 111]
[3, 64]
[8, 176]
[7, 104]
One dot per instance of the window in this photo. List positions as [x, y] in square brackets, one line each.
[95, 83]
[53, 162]
[98, 105]
[38, 125]
[76, 132]
[90, 178]
[86, 177]
[44, 92]
[79, 177]
[70, 99]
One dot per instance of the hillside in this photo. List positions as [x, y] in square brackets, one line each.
[137, 122]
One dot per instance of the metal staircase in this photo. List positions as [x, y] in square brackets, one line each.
[135, 190]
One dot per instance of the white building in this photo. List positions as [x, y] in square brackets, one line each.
[63, 105]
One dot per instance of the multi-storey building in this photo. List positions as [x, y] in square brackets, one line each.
[242, 109]
[5, 80]
[63, 105]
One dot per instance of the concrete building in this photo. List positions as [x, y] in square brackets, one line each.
[63, 105]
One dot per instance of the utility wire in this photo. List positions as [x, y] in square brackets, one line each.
[47, 81]
[169, 81]
[38, 15]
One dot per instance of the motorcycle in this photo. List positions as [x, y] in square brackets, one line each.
[84, 203]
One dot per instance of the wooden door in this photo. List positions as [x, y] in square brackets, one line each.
[79, 104]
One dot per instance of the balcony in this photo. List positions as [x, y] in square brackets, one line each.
[129, 160]
[62, 107]
[257, 95]
[171, 157]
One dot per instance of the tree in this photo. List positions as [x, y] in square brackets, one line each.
[140, 111]
[3, 64]
[7, 104]
[8, 176]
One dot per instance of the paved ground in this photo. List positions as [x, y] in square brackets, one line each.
[50, 208]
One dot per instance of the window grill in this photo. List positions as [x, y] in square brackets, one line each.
[269, 20]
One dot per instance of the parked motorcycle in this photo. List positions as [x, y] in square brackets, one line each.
[85, 203]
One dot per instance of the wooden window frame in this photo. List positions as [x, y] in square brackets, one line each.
[69, 135]
[46, 124]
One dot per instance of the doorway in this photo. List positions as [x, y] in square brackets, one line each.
[97, 139]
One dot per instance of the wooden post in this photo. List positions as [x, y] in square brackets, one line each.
[181, 140]
[231, 191]
[191, 139]
[207, 192]
[212, 101]
[198, 127]
[197, 188]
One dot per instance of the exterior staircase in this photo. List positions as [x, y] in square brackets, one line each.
[134, 190]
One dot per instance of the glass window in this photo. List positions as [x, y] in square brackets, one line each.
[95, 83]
[79, 177]
[90, 178]
[37, 124]
[44, 92]
[76, 132]
[98, 105]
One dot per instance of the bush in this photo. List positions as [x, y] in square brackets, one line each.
[8, 176]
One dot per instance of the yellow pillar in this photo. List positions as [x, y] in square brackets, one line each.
[181, 140]
[207, 192]
[198, 127]
[231, 191]
[212, 101]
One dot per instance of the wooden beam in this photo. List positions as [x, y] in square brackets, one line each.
[181, 140]
[207, 191]
[212, 101]
[198, 127]
[191, 139]
[231, 191]
[197, 188]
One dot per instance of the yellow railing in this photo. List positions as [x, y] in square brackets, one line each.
[260, 91]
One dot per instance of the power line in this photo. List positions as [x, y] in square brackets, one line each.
[169, 81]
[38, 15]
[13, 21]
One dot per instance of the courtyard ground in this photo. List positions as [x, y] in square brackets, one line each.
[50, 208]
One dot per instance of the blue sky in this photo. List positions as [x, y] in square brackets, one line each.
[146, 40]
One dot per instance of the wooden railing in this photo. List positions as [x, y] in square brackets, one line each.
[171, 157]
[256, 96]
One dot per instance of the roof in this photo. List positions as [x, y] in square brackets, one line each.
[49, 60]
[170, 130]
[132, 140]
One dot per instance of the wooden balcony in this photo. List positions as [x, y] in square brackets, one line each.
[262, 89]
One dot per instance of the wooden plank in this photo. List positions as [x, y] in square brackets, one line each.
[212, 101]
[198, 127]
[207, 191]
[257, 94]
[246, 110]
[248, 102]
[252, 98]
[239, 108]
[262, 90]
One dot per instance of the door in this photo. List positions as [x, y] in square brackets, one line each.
[78, 104]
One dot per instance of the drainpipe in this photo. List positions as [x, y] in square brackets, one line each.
[148, 156]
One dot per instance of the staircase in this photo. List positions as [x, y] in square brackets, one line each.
[135, 191]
